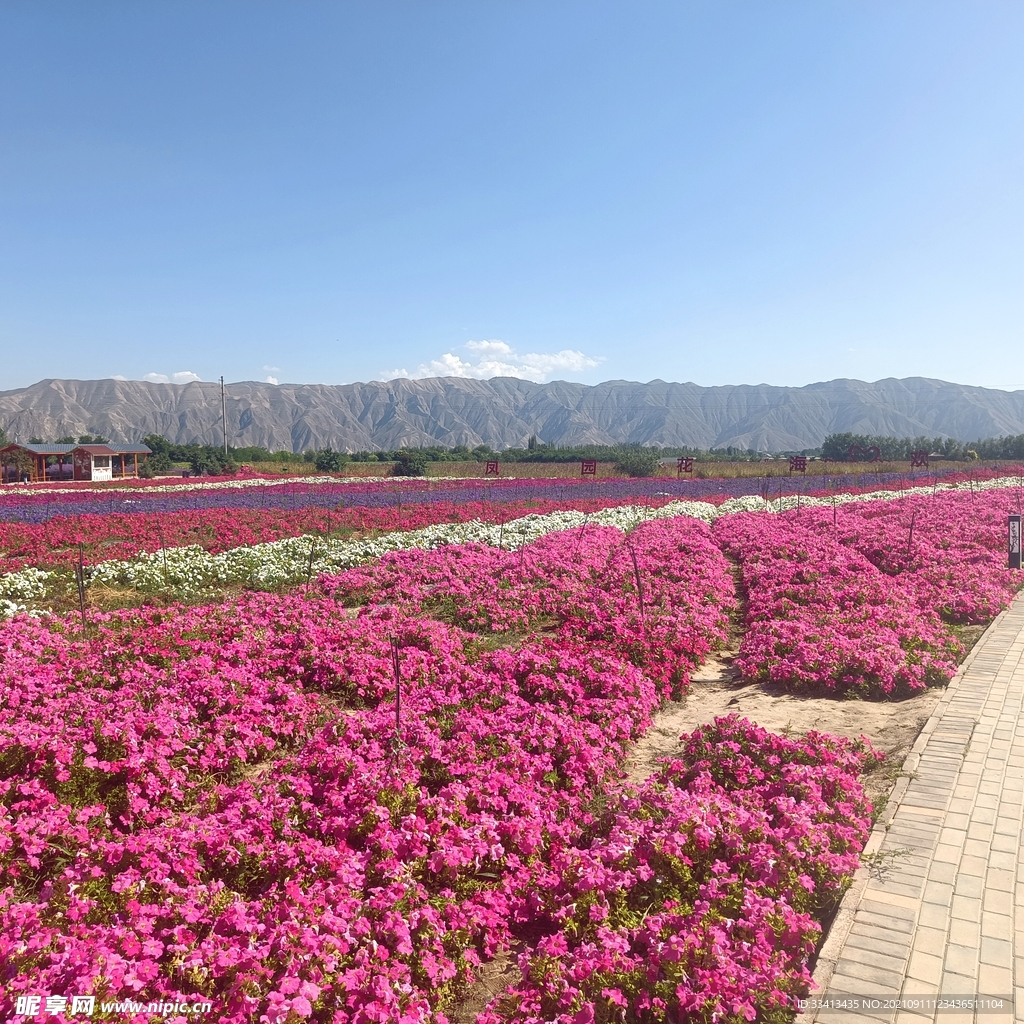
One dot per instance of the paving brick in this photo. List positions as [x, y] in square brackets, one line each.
[942, 872]
[997, 926]
[886, 921]
[1003, 861]
[976, 848]
[974, 865]
[885, 979]
[966, 908]
[980, 830]
[932, 915]
[962, 960]
[938, 892]
[870, 906]
[997, 952]
[873, 958]
[929, 940]
[843, 1017]
[1004, 844]
[950, 836]
[965, 933]
[925, 967]
[996, 902]
[1001, 880]
[883, 942]
[962, 818]
[906, 1017]
[994, 981]
[969, 885]
[857, 987]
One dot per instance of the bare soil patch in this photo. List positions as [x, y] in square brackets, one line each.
[890, 726]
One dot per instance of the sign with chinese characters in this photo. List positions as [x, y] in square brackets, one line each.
[1013, 541]
[491, 469]
[588, 467]
[684, 465]
[919, 459]
[798, 464]
[858, 454]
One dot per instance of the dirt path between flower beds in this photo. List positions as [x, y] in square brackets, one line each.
[891, 726]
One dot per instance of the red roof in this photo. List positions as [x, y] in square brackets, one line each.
[95, 449]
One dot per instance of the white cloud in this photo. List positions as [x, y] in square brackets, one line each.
[499, 359]
[181, 377]
[271, 380]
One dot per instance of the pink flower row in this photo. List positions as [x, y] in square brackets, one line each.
[858, 598]
[659, 598]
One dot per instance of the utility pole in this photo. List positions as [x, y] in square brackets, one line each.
[223, 417]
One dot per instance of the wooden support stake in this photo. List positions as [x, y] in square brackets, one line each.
[639, 583]
[80, 580]
[398, 687]
[309, 569]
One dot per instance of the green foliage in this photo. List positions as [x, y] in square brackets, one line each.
[638, 461]
[211, 461]
[327, 460]
[410, 462]
[898, 449]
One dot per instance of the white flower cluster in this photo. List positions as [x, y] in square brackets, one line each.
[17, 588]
[190, 572]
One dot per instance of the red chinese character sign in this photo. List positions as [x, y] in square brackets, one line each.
[798, 464]
[588, 467]
[919, 459]
[858, 454]
[684, 465]
[491, 469]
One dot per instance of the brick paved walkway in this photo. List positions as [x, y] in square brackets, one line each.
[939, 908]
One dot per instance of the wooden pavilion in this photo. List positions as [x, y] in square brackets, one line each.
[41, 462]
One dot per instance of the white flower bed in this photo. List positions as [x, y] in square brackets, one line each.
[190, 572]
[18, 588]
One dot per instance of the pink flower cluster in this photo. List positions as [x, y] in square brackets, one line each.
[217, 801]
[950, 546]
[695, 897]
[857, 598]
[659, 597]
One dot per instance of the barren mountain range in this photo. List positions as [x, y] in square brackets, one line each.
[505, 412]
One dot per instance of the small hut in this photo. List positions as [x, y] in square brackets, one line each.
[37, 463]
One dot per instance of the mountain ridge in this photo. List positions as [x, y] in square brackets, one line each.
[505, 411]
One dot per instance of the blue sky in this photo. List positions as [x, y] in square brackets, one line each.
[306, 192]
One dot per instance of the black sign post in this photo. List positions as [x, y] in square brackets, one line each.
[1013, 541]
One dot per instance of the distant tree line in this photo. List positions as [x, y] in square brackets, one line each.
[898, 449]
[633, 460]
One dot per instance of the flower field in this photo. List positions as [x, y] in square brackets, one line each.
[860, 597]
[325, 770]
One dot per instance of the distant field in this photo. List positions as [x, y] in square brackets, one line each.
[571, 470]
